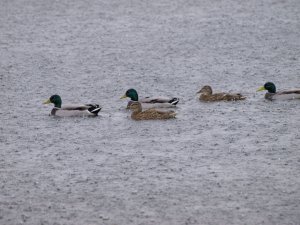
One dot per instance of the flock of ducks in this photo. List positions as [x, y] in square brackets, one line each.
[152, 105]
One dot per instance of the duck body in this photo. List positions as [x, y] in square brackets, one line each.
[76, 110]
[72, 109]
[150, 102]
[281, 95]
[207, 95]
[150, 114]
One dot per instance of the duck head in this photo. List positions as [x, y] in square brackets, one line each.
[205, 90]
[55, 99]
[132, 94]
[269, 86]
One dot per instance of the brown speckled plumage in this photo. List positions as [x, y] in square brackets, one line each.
[150, 114]
[207, 95]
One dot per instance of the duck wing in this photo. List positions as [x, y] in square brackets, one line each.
[285, 95]
[152, 114]
[290, 92]
[153, 100]
[225, 97]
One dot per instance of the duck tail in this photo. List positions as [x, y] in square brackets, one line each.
[94, 109]
[174, 101]
[172, 114]
[240, 97]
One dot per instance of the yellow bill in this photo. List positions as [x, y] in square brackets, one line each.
[47, 101]
[262, 88]
[124, 96]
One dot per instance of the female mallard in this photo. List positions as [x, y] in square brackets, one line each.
[207, 95]
[159, 102]
[150, 114]
[282, 95]
[71, 110]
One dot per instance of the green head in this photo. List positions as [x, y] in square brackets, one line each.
[269, 86]
[132, 94]
[55, 99]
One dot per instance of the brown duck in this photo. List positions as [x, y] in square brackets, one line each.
[150, 114]
[207, 95]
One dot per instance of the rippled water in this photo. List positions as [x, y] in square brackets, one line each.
[217, 163]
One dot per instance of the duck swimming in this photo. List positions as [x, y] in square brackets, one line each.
[150, 114]
[71, 110]
[207, 95]
[150, 102]
[281, 95]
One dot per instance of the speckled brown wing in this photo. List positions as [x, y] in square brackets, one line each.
[152, 114]
[234, 97]
[221, 97]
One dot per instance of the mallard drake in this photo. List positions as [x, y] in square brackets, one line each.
[154, 102]
[207, 95]
[282, 95]
[150, 114]
[71, 110]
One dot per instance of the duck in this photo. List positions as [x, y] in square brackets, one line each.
[207, 95]
[149, 114]
[150, 102]
[71, 110]
[282, 95]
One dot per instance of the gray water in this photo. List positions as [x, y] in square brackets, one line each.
[217, 163]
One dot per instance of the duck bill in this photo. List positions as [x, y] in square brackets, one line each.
[124, 96]
[262, 88]
[47, 101]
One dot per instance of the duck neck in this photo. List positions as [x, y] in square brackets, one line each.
[206, 93]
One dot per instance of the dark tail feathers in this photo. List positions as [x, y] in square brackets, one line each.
[94, 108]
[174, 101]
